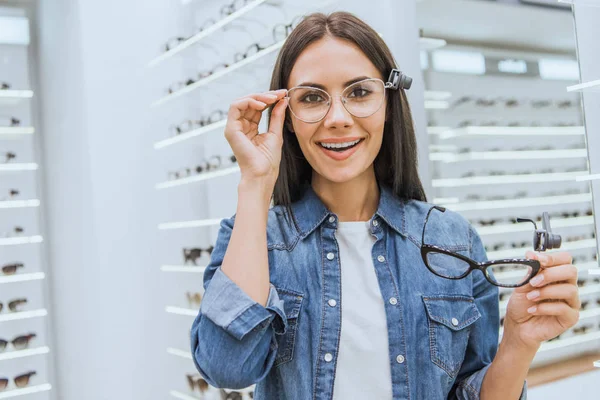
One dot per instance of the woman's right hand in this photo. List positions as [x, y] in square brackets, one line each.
[258, 155]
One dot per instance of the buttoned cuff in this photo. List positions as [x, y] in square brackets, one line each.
[230, 308]
[470, 387]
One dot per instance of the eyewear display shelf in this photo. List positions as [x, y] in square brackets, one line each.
[515, 147]
[586, 13]
[25, 338]
[238, 43]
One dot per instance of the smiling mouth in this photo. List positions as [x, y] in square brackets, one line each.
[341, 149]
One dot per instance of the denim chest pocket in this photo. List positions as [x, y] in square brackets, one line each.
[450, 318]
[292, 302]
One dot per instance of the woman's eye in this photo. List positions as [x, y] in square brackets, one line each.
[312, 98]
[359, 92]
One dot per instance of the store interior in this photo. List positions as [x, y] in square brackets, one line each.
[115, 175]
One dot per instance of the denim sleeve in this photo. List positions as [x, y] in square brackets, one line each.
[233, 337]
[483, 340]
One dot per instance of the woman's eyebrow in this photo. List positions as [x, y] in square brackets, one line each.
[319, 86]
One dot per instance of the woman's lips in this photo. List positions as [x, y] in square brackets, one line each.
[341, 155]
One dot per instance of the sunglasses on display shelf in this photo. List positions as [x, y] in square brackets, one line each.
[21, 381]
[194, 299]
[196, 381]
[12, 193]
[194, 254]
[19, 343]
[213, 163]
[451, 265]
[11, 269]
[190, 125]
[13, 304]
[17, 230]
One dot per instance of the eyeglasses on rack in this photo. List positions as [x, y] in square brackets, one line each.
[193, 254]
[196, 381]
[8, 156]
[21, 381]
[12, 193]
[4, 86]
[19, 343]
[12, 122]
[190, 125]
[233, 395]
[11, 269]
[212, 164]
[17, 230]
[194, 299]
[13, 305]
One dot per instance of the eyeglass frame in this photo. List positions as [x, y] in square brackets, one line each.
[474, 265]
[396, 80]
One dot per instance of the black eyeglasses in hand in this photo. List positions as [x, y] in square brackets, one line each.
[450, 265]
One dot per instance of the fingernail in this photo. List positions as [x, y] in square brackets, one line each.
[536, 280]
[531, 310]
[533, 295]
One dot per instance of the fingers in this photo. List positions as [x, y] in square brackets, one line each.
[561, 273]
[277, 118]
[564, 292]
[256, 102]
[548, 260]
[556, 309]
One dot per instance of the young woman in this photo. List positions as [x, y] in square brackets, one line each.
[325, 295]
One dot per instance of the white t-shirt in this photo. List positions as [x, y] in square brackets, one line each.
[363, 366]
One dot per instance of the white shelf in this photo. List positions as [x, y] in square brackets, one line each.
[507, 179]
[10, 241]
[19, 203]
[588, 3]
[183, 268]
[179, 353]
[485, 131]
[597, 364]
[593, 86]
[198, 178]
[594, 271]
[181, 311]
[449, 157]
[17, 167]
[14, 316]
[188, 135]
[556, 223]
[35, 276]
[10, 132]
[206, 32]
[572, 341]
[183, 396]
[515, 203]
[28, 390]
[437, 104]
[11, 355]
[217, 75]
[429, 44]
[190, 224]
[583, 291]
[582, 178]
[518, 252]
[15, 94]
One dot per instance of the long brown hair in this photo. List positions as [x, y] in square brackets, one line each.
[396, 164]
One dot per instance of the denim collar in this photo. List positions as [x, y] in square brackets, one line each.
[310, 212]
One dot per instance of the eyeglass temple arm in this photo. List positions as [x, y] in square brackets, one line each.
[439, 208]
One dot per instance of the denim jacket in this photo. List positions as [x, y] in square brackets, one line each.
[442, 334]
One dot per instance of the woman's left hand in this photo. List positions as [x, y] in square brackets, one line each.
[539, 311]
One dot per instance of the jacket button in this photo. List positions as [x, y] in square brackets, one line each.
[332, 219]
[332, 302]
[454, 322]
[328, 357]
[400, 359]
[375, 222]
[380, 258]
[330, 256]
[393, 301]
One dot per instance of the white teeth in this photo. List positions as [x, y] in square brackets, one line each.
[339, 145]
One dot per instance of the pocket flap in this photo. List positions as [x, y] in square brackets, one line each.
[454, 311]
[292, 301]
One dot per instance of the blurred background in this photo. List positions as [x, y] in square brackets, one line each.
[113, 163]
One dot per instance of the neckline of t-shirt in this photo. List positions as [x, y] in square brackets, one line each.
[353, 226]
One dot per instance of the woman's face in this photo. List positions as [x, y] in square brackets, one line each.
[332, 63]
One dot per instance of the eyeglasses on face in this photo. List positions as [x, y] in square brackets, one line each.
[11, 269]
[19, 342]
[20, 381]
[361, 99]
[14, 304]
[450, 265]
